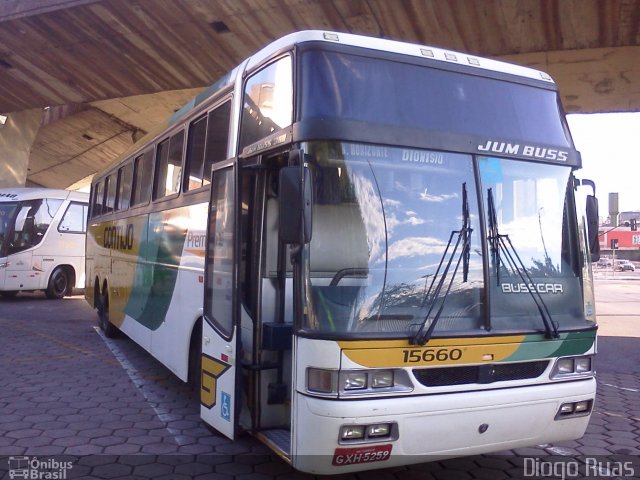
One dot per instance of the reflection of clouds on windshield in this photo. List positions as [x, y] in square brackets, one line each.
[527, 233]
[372, 215]
[416, 246]
[427, 197]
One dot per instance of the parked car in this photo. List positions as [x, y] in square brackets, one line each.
[624, 266]
[604, 262]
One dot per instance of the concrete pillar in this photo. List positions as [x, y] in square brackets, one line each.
[16, 138]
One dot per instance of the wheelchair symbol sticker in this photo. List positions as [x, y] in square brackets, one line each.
[225, 408]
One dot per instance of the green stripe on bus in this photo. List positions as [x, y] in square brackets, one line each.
[575, 343]
[156, 274]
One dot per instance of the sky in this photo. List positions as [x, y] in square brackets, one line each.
[610, 148]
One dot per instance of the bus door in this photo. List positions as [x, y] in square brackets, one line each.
[220, 332]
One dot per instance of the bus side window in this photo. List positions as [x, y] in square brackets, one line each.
[44, 216]
[74, 219]
[268, 102]
[195, 154]
[207, 144]
[217, 138]
[125, 178]
[169, 166]
[142, 178]
[97, 199]
[109, 194]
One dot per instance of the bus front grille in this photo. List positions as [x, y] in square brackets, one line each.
[483, 374]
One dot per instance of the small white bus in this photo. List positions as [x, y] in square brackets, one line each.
[42, 240]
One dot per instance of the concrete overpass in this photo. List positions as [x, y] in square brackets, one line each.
[81, 80]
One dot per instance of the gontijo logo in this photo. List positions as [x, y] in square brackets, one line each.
[118, 237]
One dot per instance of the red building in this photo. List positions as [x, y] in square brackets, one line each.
[627, 241]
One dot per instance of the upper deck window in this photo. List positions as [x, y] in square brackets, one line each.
[268, 102]
[384, 92]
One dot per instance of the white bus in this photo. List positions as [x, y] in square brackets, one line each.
[364, 252]
[42, 240]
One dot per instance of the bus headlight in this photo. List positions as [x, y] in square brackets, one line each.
[583, 364]
[349, 383]
[352, 432]
[581, 408]
[379, 430]
[567, 367]
[354, 380]
[382, 379]
[371, 433]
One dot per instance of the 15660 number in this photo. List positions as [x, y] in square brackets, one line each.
[432, 355]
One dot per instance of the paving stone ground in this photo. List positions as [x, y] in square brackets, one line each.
[67, 394]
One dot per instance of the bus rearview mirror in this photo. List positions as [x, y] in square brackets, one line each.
[593, 224]
[294, 208]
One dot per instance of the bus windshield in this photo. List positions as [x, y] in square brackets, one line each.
[386, 223]
[531, 250]
[24, 224]
[387, 253]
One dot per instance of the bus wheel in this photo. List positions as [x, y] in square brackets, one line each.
[195, 359]
[9, 293]
[109, 329]
[58, 284]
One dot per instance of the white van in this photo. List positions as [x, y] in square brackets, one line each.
[42, 240]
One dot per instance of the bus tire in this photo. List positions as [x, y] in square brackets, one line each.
[195, 359]
[58, 285]
[9, 293]
[108, 328]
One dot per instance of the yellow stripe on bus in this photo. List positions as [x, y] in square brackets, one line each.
[452, 351]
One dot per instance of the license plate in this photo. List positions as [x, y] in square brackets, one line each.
[352, 456]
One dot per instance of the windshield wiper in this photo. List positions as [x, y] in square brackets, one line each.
[422, 336]
[501, 244]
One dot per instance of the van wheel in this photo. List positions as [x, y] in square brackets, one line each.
[58, 284]
[109, 329]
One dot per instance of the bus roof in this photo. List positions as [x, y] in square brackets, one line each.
[447, 57]
[450, 57]
[226, 82]
[18, 194]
